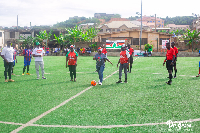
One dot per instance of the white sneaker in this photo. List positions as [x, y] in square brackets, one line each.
[38, 78]
[100, 83]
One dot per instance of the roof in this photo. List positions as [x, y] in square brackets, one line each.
[173, 25]
[117, 24]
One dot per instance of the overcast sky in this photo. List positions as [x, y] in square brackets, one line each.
[49, 12]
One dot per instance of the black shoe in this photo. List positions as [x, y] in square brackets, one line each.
[125, 81]
[169, 82]
[174, 76]
[167, 77]
[119, 82]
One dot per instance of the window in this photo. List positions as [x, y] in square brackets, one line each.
[162, 22]
[153, 21]
[150, 21]
[144, 41]
[118, 29]
[0, 34]
[158, 21]
[101, 30]
[162, 25]
[12, 34]
[135, 41]
[113, 29]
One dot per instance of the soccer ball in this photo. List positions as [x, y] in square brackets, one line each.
[93, 83]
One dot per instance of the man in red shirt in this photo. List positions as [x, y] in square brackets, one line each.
[131, 57]
[170, 57]
[104, 50]
[176, 52]
[71, 58]
[124, 60]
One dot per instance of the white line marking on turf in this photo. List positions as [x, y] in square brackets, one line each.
[49, 111]
[105, 126]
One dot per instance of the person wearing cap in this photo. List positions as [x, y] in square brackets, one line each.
[100, 63]
[27, 59]
[7, 55]
[38, 54]
[71, 58]
[124, 61]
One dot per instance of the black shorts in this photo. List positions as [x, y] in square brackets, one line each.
[168, 66]
[72, 67]
[131, 59]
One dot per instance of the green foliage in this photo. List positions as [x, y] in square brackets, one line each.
[148, 47]
[94, 46]
[192, 37]
[178, 32]
[183, 20]
[60, 39]
[78, 35]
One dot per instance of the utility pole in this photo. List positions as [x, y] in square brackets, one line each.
[141, 27]
[17, 21]
[155, 22]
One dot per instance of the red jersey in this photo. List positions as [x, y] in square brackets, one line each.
[104, 51]
[72, 58]
[124, 55]
[176, 50]
[170, 54]
[131, 51]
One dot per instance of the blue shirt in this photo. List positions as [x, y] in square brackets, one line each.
[100, 59]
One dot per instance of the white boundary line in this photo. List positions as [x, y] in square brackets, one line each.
[106, 126]
[49, 111]
[30, 123]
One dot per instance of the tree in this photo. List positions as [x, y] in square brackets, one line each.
[25, 41]
[43, 35]
[193, 37]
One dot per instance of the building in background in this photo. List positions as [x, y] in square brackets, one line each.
[150, 21]
[174, 27]
[1, 39]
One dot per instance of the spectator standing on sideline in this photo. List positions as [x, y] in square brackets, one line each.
[7, 55]
[38, 53]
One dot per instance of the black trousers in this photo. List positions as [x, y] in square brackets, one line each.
[8, 68]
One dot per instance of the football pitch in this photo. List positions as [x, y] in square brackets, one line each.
[144, 104]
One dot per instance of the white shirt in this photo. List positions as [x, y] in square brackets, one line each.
[8, 53]
[39, 51]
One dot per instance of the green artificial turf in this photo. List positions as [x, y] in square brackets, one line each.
[146, 98]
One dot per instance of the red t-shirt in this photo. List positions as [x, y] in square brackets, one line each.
[72, 58]
[104, 51]
[170, 54]
[131, 51]
[124, 55]
[176, 50]
[83, 50]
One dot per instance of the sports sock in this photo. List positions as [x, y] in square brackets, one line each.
[170, 77]
[175, 72]
[24, 69]
[27, 68]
